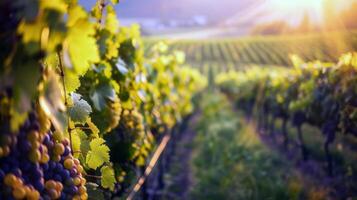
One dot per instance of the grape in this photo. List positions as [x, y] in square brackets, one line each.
[35, 156]
[56, 158]
[5, 151]
[33, 165]
[57, 136]
[77, 181]
[45, 158]
[33, 136]
[82, 190]
[73, 172]
[33, 195]
[50, 184]
[59, 186]
[58, 149]
[53, 193]
[19, 193]
[1, 152]
[68, 163]
[9, 179]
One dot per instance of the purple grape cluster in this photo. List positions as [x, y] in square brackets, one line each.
[35, 165]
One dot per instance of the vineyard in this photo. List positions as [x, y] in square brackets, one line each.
[89, 109]
[81, 108]
[235, 54]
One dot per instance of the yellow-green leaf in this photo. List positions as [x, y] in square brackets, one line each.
[99, 153]
[108, 179]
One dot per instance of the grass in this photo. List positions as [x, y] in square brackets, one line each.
[231, 162]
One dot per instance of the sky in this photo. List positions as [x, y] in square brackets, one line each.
[223, 11]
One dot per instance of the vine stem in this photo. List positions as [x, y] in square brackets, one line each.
[93, 176]
[65, 98]
[101, 5]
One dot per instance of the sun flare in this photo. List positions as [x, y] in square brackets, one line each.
[294, 9]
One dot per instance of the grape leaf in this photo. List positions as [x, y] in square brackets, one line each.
[114, 1]
[71, 81]
[111, 22]
[103, 36]
[108, 179]
[93, 127]
[76, 142]
[99, 153]
[80, 110]
[31, 32]
[84, 146]
[80, 42]
[100, 95]
[121, 67]
[57, 5]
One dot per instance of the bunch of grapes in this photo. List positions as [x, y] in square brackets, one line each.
[114, 109]
[132, 121]
[37, 164]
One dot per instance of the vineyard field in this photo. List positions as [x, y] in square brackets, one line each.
[91, 109]
[233, 54]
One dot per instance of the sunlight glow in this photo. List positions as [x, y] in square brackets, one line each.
[295, 8]
[298, 4]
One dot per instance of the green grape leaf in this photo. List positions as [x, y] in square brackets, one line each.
[99, 153]
[100, 94]
[84, 145]
[93, 127]
[80, 110]
[75, 14]
[31, 32]
[103, 36]
[111, 22]
[76, 142]
[114, 1]
[108, 179]
[80, 43]
[71, 81]
[121, 67]
[57, 5]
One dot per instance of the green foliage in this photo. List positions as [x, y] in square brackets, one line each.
[108, 179]
[79, 70]
[80, 110]
[98, 153]
[231, 162]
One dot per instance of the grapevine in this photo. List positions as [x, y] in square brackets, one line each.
[74, 87]
[316, 93]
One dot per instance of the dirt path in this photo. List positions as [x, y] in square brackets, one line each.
[179, 178]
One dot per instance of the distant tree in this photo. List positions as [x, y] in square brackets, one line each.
[305, 24]
[271, 28]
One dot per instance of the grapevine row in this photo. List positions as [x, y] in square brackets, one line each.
[267, 51]
[80, 105]
[315, 93]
